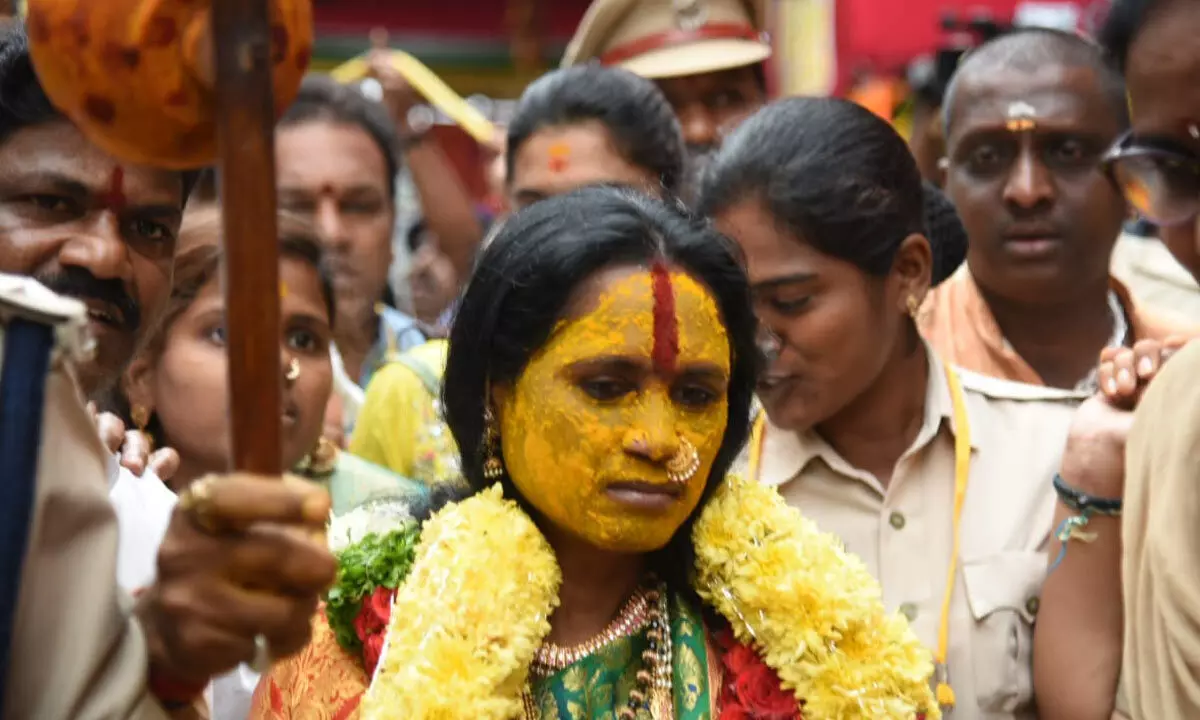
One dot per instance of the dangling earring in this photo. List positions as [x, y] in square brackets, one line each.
[321, 461]
[914, 306]
[140, 415]
[684, 463]
[493, 466]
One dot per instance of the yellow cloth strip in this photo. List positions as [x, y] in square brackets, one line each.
[435, 91]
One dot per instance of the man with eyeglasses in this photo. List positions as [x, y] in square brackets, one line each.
[1146, 461]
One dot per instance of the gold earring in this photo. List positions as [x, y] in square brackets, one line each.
[914, 306]
[493, 466]
[321, 461]
[292, 374]
[140, 415]
[683, 465]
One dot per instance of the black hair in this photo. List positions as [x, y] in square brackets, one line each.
[23, 101]
[947, 234]
[636, 114]
[321, 98]
[1125, 20]
[525, 280]
[198, 266]
[830, 172]
[1029, 49]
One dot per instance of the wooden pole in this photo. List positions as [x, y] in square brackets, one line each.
[245, 129]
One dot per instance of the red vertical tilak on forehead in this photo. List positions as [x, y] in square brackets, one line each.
[666, 324]
[114, 199]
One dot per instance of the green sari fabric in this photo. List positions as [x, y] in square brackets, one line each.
[597, 687]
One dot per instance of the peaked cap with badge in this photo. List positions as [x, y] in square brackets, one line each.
[671, 38]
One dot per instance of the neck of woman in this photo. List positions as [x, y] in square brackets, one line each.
[879, 426]
[189, 471]
[595, 584]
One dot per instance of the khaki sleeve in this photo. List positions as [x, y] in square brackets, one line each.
[77, 653]
[1161, 557]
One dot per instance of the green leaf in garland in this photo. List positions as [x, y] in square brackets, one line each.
[375, 561]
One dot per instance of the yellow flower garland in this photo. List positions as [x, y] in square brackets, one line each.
[812, 609]
[468, 619]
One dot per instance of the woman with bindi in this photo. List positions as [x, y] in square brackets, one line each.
[175, 388]
[592, 125]
[940, 480]
[602, 562]
[571, 128]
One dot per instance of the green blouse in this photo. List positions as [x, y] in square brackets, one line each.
[597, 687]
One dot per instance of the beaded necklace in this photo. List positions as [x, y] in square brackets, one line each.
[647, 609]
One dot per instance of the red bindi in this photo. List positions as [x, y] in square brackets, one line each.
[115, 199]
[666, 324]
[559, 155]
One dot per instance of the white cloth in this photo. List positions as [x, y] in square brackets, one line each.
[144, 506]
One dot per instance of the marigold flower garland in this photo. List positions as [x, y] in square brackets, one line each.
[475, 607]
[813, 610]
[467, 621]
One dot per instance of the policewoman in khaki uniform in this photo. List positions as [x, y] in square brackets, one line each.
[707, 56]
[940, 480]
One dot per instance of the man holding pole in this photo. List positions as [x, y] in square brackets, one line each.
[242, 565]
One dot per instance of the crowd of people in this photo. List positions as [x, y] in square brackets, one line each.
[731, 412]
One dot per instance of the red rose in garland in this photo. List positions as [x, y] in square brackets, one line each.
[371, 624]
[750, 689]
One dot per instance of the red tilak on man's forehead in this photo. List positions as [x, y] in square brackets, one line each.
[666, 324]
[114, 199]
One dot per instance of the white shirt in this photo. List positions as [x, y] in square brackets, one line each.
[144, 506]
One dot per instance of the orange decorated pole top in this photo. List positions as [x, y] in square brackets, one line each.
[184, 84]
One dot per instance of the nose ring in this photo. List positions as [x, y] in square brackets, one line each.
[684, 463]
[293, 371]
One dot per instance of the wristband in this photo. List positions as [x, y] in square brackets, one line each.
[1082, 502]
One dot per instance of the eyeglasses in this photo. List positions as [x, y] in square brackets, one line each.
[1159, 178]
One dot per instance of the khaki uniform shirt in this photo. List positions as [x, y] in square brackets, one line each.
[77, 653]
[904, 532]
[1161, 546]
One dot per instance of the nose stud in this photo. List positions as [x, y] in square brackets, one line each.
[684, 464]
[293, 371]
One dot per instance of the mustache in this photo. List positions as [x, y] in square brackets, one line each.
[80, 284]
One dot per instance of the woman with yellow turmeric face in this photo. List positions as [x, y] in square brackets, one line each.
[590, 425]
[599, 384]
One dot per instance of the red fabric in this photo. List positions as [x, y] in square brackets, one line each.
[678, 36]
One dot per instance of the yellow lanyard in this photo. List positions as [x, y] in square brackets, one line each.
[962, 470]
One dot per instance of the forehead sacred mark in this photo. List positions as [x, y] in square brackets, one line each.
[114, 198]
[666, 323]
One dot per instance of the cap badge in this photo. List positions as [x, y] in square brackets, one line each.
[690, 15]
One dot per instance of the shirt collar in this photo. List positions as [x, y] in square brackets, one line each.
[785, 454]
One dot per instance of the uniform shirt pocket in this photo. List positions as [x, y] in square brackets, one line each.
[1003, 592]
